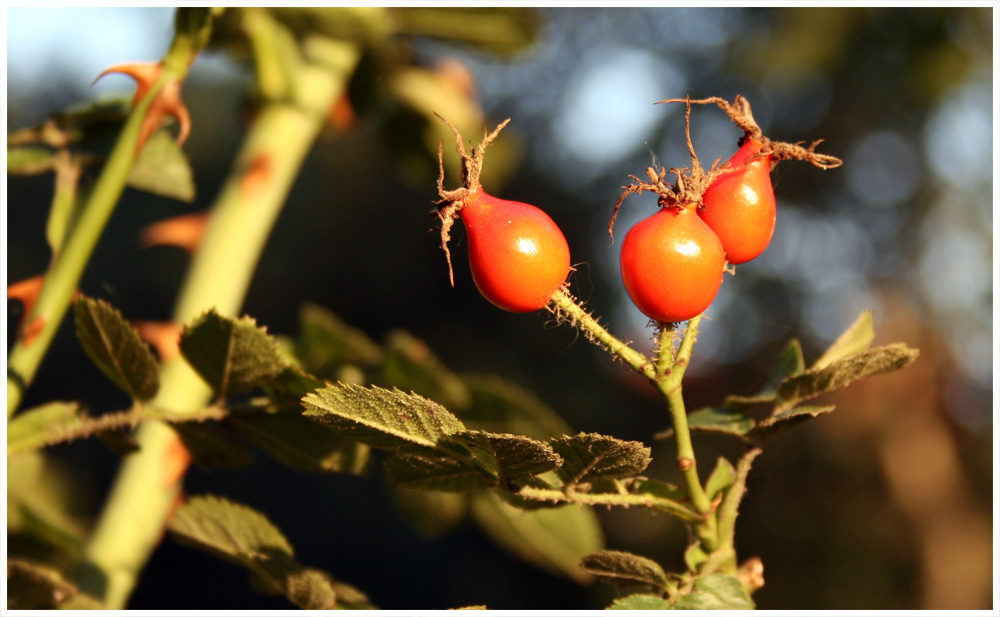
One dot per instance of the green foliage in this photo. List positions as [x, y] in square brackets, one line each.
[589, 456]
[715, 592]
[847, 360]
[115, 347]
[555, 539]
[244, 536]
[232, 356]
[626, 569]
[162, 169]
[640, 602]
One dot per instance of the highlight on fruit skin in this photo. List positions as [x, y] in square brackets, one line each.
[739, 205]
[517, 254]
[672, 264]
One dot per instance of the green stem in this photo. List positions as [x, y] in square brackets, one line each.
[64, 275]
[140, 502]
[566, 307]
[670, 373]
[612, 499]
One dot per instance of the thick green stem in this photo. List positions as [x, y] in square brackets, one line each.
[64, 275]
[140, 502]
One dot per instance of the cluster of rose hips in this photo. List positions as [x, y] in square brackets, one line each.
[672, 262]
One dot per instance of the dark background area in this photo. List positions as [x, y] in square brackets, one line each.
[884, 504]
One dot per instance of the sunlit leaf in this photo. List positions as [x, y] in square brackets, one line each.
[589, 456]
[115, 347]
[721, 478]
[163, 169]
[231, 355]
[857, 338]
[385, 419]
[840, 373]
[29, 160]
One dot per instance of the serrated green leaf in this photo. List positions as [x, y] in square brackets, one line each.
[590, 456]
[716, 592]
[410, 365]
[555, 539]
[290, 385]
[32, 586]
[786, 419]
[326, 342]
[115, 347]
[242, 535]
[623, 569]
[503, 457]
[163, 169]
[300, 443]
[231, 355]
[842, 372]
[432, 471]
[640, 602]
[721, 478]
[857, 338]
[504, 407]
[386, 419]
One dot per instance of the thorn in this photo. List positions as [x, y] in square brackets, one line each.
[184, 231]
[167, 102]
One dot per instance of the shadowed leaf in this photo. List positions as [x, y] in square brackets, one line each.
[231, 355]
[115, 347]
[411, 366]
[325, 342]
[842, 372]
[504, 407]
[555, 539]
[624, 569]
[300, 443]
[786, 420]
[246, 537]
[35, 587]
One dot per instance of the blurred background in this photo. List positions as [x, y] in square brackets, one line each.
[884, 504]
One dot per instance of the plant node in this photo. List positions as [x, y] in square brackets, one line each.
[453, 201]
